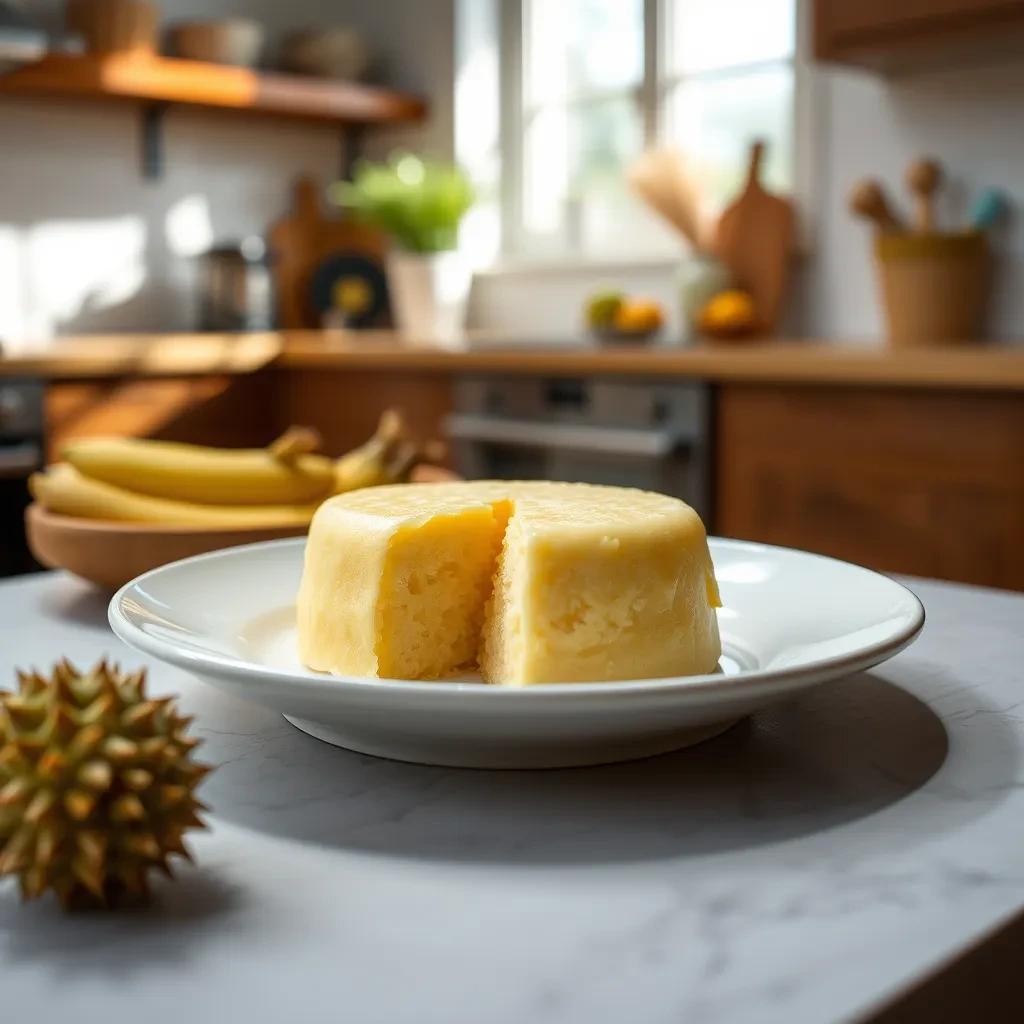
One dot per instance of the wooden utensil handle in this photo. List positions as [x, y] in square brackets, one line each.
[868, 199]
[923, 179]
[754, 163]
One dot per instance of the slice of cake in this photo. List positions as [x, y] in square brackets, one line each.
[533, 582]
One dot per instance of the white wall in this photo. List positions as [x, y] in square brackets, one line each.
[970, 119]
[86, 244]
[84, 241]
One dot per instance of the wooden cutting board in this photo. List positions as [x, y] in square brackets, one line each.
[754, 239]
[303, 241]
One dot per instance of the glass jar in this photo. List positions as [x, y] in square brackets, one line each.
[699, 278]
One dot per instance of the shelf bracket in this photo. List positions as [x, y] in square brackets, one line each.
[152, 140]
[351, 148]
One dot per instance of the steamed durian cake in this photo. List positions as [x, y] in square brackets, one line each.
[532, 582]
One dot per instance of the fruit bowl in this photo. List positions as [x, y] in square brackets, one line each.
[110, 553]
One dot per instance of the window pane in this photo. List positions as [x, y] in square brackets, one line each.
[574, 161]
[575, 46]
[546, 172]
[604, 137]
[615, 224]
[714, 120]
[705, 35]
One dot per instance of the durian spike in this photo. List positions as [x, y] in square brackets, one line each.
[137, 779]
[79, 804]
[96, 775]
[139, 714]
[127, 808]
[120, 750]
[101, 708]
[34, 882]
[47, 845]
[92, 846]
[86, 742]
[61, 725]
[16, 791]
[52, 765]
[30, 683]
[24, 713]
[40, 805]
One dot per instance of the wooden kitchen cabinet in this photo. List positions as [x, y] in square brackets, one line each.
[247, 410]
[890, 36]
[930, 483]
[345, 406]
[234, 411]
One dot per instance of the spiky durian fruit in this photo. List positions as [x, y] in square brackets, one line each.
[97, 784]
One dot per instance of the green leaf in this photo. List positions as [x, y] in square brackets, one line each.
[419, 203]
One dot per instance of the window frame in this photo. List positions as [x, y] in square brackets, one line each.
[652, 96]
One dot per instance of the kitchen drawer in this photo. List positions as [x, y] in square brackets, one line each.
[924, 483]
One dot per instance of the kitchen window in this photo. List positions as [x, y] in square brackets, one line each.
[586, 85]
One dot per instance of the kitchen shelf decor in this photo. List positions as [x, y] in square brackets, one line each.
[158, 83]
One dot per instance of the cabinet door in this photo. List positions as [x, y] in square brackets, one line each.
[924, 483]
[217, 410]
[880, 31]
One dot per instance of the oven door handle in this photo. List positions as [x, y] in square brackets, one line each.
[19, 460]
[625, 441]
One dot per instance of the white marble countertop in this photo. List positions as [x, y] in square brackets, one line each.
[804, 867]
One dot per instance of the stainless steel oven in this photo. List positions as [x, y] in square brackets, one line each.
[21, 454]
[644, 434]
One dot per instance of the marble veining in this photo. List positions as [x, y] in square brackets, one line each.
[803, 866]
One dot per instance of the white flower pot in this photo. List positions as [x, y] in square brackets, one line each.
[429, 292]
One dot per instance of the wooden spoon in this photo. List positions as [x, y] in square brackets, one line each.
[868, 200]
[924, 177]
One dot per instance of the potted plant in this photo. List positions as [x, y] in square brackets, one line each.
[419, 204]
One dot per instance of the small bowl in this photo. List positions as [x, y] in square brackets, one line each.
[237, 42]
[126, 27]
[338, 53]
[612, 336]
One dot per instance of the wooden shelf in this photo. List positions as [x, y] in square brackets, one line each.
[163, 80]
[160, 82]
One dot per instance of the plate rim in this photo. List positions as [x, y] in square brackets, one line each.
[829, 667]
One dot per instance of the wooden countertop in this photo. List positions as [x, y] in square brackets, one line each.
[976, 368]
[145, 355]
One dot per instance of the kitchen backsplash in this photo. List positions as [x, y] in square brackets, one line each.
[87, 244]
[966, 118]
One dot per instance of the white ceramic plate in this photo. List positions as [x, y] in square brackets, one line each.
[790, 621]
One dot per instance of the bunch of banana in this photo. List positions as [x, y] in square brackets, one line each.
[187, 485]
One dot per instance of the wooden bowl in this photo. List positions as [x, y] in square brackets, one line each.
[115, 26]
[236, 42]
[110, 553]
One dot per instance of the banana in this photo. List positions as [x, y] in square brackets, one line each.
[367, 465]
[63, 489]
[284, 474]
